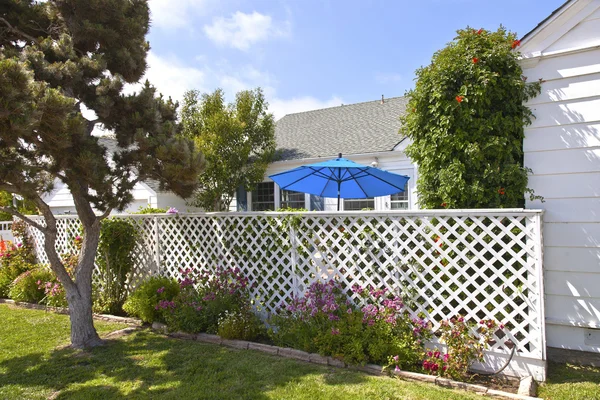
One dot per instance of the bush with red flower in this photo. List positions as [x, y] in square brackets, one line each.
[327, 322]
[465, 343]
[469, 105]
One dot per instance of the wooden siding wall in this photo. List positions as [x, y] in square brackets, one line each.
[562, 147]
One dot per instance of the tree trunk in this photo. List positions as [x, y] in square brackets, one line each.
[83, 333]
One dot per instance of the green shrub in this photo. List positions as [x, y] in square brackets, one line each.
[325, 321]
[241, 324]
[115, 262]
[144, 301]
[13, 262]
[150, 210]
[199, 310]
[30, 285]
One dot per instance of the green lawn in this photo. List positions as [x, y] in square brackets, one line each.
[34, 364]
[575, 382]
[146, 365]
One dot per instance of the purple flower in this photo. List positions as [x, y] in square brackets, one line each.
[396, 358]
[335, 331]
[397, 369]
[172, 210]
[160, 290]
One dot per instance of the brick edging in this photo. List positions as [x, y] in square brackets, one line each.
[323, 360]
[63, 310]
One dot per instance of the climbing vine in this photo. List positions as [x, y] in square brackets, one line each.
[466, 118]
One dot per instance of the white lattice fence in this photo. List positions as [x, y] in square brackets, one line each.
[6, 230]
[479, 263]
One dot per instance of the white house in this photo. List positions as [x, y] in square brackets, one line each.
[366, 133]
[145, 193]
[562, 147]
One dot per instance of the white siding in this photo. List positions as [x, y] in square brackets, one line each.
[166, 200]
[562, 147]
[61, 201]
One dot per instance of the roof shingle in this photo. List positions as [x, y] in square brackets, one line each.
[348, 129]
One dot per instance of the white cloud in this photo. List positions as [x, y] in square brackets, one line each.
[281, 107]
[242, 30]
[174, 14]
[171, 77]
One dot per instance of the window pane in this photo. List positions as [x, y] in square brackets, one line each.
[292, 199]
[317, 203]
[263, 197]
[359, 204]
[399, 201]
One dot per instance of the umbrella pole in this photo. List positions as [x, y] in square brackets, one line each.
[339, 195]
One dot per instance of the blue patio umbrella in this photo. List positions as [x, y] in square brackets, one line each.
[341, 178]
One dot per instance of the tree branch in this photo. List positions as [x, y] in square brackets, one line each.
[104, 214]
[17, 31]
[31, 222]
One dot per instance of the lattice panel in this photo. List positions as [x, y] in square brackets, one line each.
[480, 264]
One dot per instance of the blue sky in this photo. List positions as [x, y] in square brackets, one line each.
[310, 54]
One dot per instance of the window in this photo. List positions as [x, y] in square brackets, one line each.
[317, 203]
[359, 204]
[263, 197]
[292, 199]
[399, 201]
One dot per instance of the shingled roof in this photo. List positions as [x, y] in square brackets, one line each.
[348, 129]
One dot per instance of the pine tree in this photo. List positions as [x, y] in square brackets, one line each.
[55, 58]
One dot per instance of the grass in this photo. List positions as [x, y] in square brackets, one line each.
[567, 381]
[34, 364]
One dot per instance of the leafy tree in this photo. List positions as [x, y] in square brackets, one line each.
[237, 140]
[466, 118]
[23, 206]
[55, 57]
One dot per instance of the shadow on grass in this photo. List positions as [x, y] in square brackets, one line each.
[145, 365]
[568, 373]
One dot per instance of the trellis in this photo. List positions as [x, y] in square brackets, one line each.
[477, 263]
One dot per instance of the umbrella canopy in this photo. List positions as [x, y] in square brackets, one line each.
[341, 178]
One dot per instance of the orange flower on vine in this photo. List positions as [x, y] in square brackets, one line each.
[502, 191]
[459, 98]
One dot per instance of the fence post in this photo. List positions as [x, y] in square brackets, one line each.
[157, 246]
[294, 256]
[539, 266]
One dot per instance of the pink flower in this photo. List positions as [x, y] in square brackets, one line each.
[172, 210]
[335, 331]
[397, 369]
[396, 358]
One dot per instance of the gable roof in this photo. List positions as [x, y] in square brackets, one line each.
[348, 129]
[569, 28]
[548, 18]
